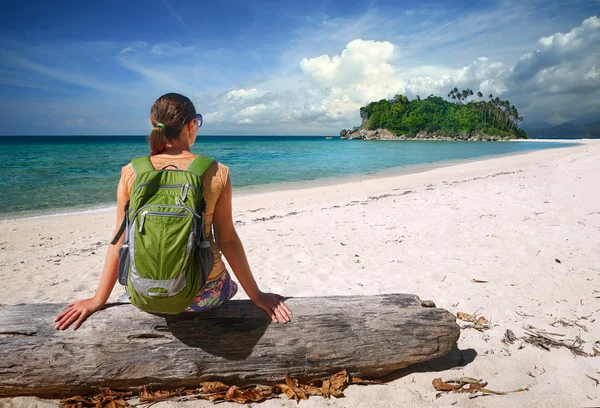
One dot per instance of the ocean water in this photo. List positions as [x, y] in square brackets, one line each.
[47, 175]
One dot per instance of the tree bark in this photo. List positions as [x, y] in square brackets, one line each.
[123, 348]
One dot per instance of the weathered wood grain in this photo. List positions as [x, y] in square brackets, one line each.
[123, 348]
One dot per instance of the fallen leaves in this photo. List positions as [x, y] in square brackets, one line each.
[469, 385]
[479, 322]
[106, 399]
[213, 387]
[217, 391]
[146, 396]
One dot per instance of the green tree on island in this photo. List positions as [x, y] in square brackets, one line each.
[464, 115]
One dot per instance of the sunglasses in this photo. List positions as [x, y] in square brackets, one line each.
[198, 120]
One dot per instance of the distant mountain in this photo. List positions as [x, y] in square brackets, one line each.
[535, 125]
[592, 128]
[568, 130]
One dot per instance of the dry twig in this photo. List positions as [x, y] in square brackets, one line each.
[476, 388]
[543, 339]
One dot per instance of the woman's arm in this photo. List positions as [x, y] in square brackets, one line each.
[79, 310]
[231, 246]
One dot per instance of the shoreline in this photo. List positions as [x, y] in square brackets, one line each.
[289, 186]
[385, 173]
[513, 239]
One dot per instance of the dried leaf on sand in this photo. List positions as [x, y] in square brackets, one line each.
[107, 398]
[213, 387]
[151, 396]
[333, 386]
[464, 316]
[470, 385]
[479, 322]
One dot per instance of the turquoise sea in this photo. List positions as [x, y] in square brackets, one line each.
[49, 174]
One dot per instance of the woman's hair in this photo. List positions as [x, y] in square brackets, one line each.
[168, 115]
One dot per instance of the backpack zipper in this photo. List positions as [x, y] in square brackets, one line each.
[185, 191]
[179, 207]
[185, 186]
[159, 214]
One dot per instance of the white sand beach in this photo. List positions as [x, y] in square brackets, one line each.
[527, 225]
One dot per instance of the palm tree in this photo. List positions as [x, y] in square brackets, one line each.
[482, 104]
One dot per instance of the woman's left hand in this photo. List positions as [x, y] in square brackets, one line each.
[275, 308]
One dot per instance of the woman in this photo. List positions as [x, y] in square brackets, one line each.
[176, 126]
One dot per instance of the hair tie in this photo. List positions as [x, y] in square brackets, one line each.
[160, 125]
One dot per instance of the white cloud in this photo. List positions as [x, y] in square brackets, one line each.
[253, 110]
[562, 63]
[559, 80]
[367, 61]
[245, 121]
[170, 49]
[361, 73]
[241, 94]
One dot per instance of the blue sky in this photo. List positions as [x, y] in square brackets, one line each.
[287, 68]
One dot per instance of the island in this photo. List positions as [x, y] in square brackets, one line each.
[469, 117]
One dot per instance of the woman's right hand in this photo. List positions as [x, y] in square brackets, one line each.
[271, 303]
[77, 312]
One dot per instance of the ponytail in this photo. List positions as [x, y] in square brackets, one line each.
[168, 116]
[157, 140]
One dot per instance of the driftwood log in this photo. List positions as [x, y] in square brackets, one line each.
[123, 348]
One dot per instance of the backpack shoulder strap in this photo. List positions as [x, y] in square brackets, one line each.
[142, 165]
[199, 165]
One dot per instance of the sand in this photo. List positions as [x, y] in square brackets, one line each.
[528, 225]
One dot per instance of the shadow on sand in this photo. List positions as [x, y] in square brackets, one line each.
[455, 358]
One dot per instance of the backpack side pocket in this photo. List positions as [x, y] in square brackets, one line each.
[204, 260]
[124, 261]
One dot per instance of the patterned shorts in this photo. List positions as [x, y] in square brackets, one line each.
[214, 294]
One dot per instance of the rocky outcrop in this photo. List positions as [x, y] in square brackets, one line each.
[364, 134]
[359, 133]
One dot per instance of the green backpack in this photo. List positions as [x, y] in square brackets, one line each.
[165, 258]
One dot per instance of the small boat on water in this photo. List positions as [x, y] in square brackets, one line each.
[329, 137]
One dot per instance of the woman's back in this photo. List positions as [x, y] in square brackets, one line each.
[213, 180]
